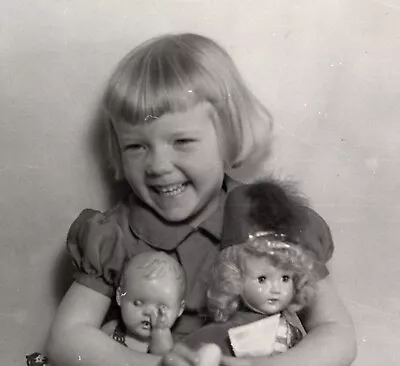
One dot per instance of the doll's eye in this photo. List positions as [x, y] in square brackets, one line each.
[285, 278]
[261, 279]
[137, 303]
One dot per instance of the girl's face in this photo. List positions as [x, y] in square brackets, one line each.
[174, 163]
[143, 300]
[266, 289]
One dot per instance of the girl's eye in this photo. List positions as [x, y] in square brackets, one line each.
[184, 141]
[261, 279]
[137, 303]
[134, 147]
[285, 278]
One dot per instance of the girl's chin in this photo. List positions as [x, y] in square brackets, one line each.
[175, 214]
[175, 217]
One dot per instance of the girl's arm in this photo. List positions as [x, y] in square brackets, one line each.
[330, 340]
[109, 327]
[76, 339]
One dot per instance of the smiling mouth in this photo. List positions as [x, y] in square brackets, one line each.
[170, 190]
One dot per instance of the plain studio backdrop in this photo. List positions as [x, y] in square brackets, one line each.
[328, 71]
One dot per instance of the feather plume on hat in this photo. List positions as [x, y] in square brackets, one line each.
[266, 205]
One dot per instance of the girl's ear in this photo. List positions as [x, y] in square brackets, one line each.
[182, 308]
[118, 296]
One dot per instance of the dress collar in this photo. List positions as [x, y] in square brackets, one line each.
[161, 234]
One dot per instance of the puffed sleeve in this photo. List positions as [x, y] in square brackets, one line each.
[316, 236]
[95, 243]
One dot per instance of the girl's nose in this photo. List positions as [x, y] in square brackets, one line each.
[159, 162]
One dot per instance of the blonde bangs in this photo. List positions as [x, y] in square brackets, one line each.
[165, 78]
[174, 73]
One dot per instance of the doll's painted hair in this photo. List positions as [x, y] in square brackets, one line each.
[175, 72]
[226, 280]
[150, 265]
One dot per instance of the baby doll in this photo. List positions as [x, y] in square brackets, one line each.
[263, 275]
[151, 298]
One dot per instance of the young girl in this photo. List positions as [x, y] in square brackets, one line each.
[264, 272]
[179, 118]
[151, 298]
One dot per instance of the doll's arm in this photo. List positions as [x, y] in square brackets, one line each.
[330, 340]
[76, 339]
[161, 337]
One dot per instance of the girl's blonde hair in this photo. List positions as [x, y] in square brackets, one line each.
[173, 73]
[226, 280]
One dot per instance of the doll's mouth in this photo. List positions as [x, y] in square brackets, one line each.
[273, 301]
[146, 324]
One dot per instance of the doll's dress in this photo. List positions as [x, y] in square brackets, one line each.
[37, 359]
[288, 335]
[120, 333]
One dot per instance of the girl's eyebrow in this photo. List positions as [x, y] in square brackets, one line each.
[187, 131]
[130, 141]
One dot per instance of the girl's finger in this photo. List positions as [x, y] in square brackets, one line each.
[186, 353]
[210, 355]
[233, 361]
[173, 359]
[180, 356]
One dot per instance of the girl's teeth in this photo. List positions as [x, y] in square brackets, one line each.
[172, 190]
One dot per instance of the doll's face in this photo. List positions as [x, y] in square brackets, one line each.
[143, 300]
[266, 289]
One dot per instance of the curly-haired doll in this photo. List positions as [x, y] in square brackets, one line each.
[270, 276]
[264, 273]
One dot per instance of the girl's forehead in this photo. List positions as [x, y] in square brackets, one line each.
[193, 119]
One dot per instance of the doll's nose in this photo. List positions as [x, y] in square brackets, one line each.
[275, 287]
[150, 310]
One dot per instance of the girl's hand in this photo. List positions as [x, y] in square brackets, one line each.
[181, 355]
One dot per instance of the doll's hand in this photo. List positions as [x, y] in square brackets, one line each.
[161, 339]
[159, 319]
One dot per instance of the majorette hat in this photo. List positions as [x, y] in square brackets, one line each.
[269, 205]
[276, 206]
